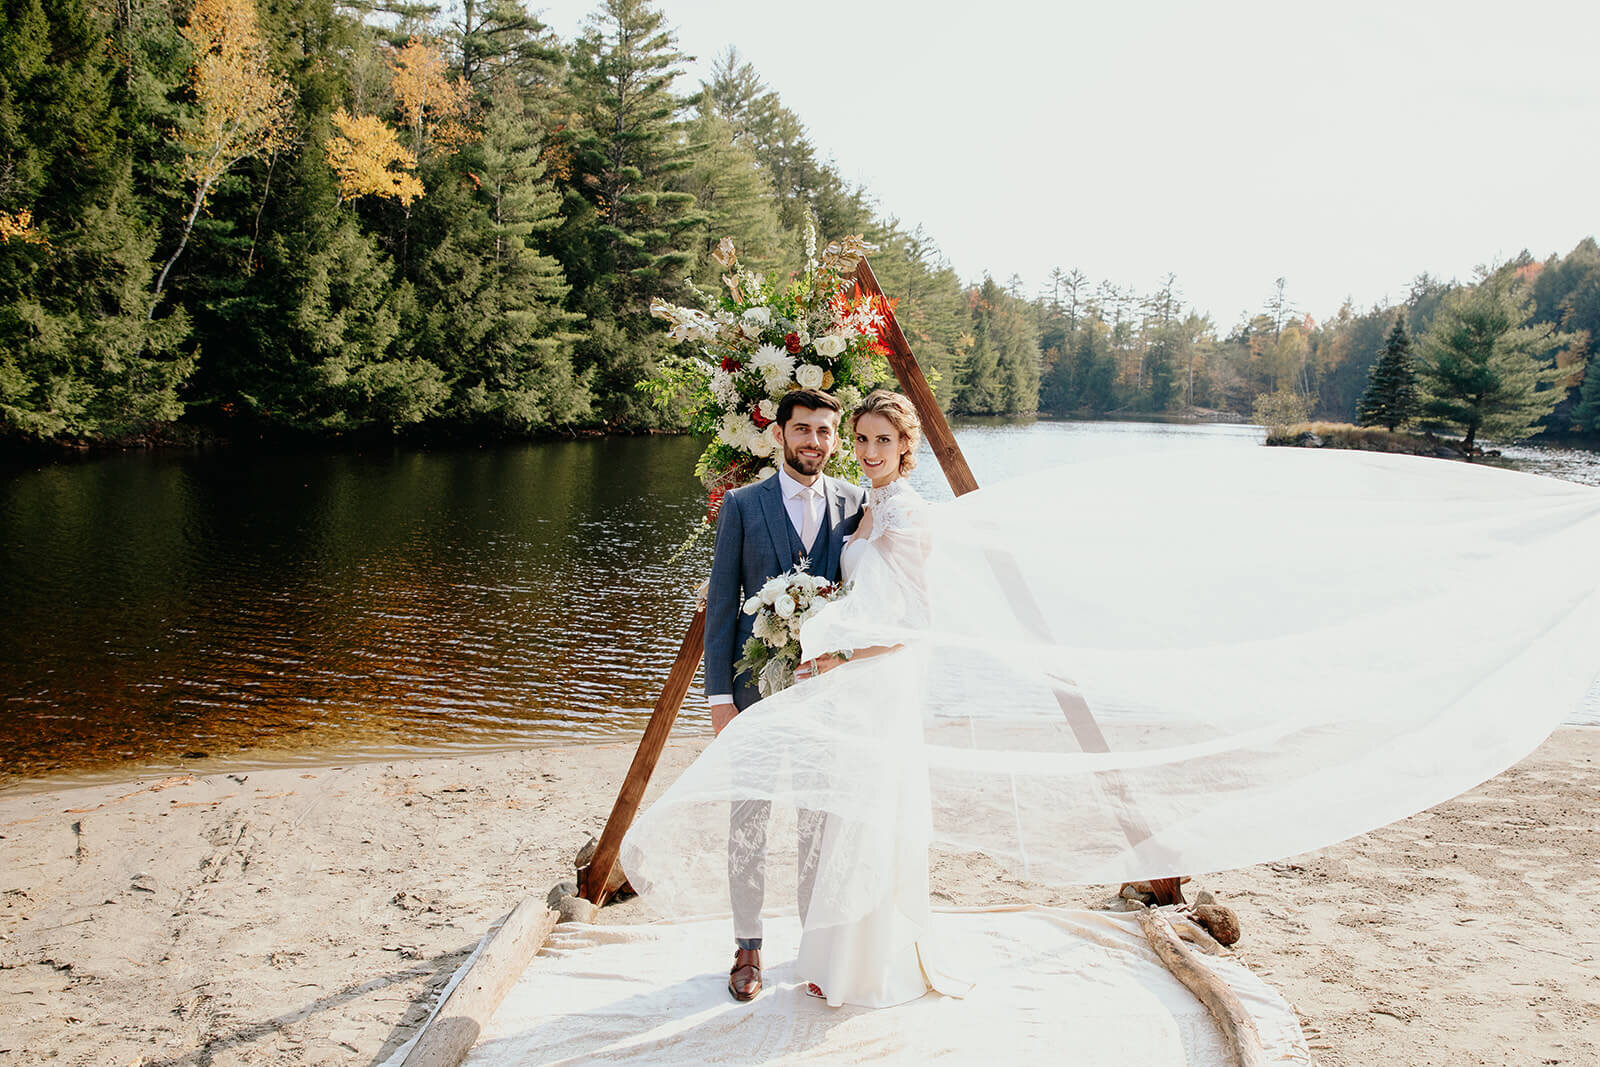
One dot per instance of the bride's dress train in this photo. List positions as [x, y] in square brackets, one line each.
[1143, 667]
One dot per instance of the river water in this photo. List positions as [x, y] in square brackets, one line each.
[230, 608]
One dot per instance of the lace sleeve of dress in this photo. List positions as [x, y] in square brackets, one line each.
[896, 508]
[900, 533]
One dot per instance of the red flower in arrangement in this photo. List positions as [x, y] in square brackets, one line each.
[791, 341]
[714, 503]
[761, 421]
[731, 365]
[882, 312]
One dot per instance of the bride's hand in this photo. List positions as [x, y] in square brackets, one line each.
[826, 662]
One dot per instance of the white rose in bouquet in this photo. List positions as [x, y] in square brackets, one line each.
[758, 316]
[809, 375]
[752, 605]
[784, 605]
[831, 346]
[773, 589]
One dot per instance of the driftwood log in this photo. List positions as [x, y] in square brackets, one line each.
[1238, 1029]
[448, 1036]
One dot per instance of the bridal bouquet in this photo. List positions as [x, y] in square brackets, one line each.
[781, 607]
[762, 338]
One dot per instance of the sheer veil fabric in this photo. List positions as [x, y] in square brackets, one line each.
[1153, 665]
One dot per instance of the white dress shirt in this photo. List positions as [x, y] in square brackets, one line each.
[794, 502]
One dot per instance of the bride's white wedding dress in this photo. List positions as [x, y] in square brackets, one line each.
[1143, 667]
[884, 957]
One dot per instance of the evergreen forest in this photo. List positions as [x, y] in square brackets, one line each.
[246, 218]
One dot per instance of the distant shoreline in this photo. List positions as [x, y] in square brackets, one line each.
[180, 439]
[1371, 439]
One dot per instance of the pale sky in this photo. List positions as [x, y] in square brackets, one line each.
[1344, 146]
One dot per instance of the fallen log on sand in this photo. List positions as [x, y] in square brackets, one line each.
[448, 1037]
[1238, 1031]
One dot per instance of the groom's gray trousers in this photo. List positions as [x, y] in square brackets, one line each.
[747, 853]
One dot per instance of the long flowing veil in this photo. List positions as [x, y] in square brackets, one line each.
[1157, 665]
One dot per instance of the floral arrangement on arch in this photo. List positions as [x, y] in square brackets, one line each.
[765, 338]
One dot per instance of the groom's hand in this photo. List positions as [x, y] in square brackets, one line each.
[722, 714]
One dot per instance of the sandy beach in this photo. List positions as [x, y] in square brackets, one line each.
[295, 916]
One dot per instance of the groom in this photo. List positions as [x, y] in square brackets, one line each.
[764, 530]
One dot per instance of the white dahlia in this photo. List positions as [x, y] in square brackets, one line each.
[775, 366]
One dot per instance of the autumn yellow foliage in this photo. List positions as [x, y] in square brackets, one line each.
[430, 104]
[19, 227]
[243, 107]
[369, 159]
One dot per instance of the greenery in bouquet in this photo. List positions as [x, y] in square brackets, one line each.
[764, 337]
[781, 608]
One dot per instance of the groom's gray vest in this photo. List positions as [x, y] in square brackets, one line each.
[755, 542]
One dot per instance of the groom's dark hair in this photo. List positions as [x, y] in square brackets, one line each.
[810, 399]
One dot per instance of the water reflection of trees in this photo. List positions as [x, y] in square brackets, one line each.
[216, 602]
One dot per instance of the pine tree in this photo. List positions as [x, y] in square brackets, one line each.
[628, 238]
[732, 192]
[979, 389]
[805, 187]
[1391, 396]
[1483, 369]
[1016, 339]
[498, 38]
[77, 352]
[1161, 373]
[494, 318]
[1586, 416]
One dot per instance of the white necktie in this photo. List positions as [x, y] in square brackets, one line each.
[811, 509]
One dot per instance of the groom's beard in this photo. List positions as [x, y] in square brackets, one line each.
[806, 465]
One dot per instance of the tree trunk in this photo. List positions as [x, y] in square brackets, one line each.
[188, 225]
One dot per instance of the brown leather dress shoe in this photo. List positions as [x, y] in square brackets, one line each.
[744, 981]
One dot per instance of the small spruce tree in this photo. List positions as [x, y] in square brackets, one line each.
[1390, 398]
[1484, 368]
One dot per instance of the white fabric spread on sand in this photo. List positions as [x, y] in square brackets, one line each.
[1053, 986]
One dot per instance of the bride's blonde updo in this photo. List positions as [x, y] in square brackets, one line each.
[902, 414]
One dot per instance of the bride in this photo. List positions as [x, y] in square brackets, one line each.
[881, 958]
[1137, 668]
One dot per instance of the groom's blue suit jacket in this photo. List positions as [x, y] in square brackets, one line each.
[755, 542]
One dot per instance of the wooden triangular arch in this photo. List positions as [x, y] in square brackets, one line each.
[595, 880]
